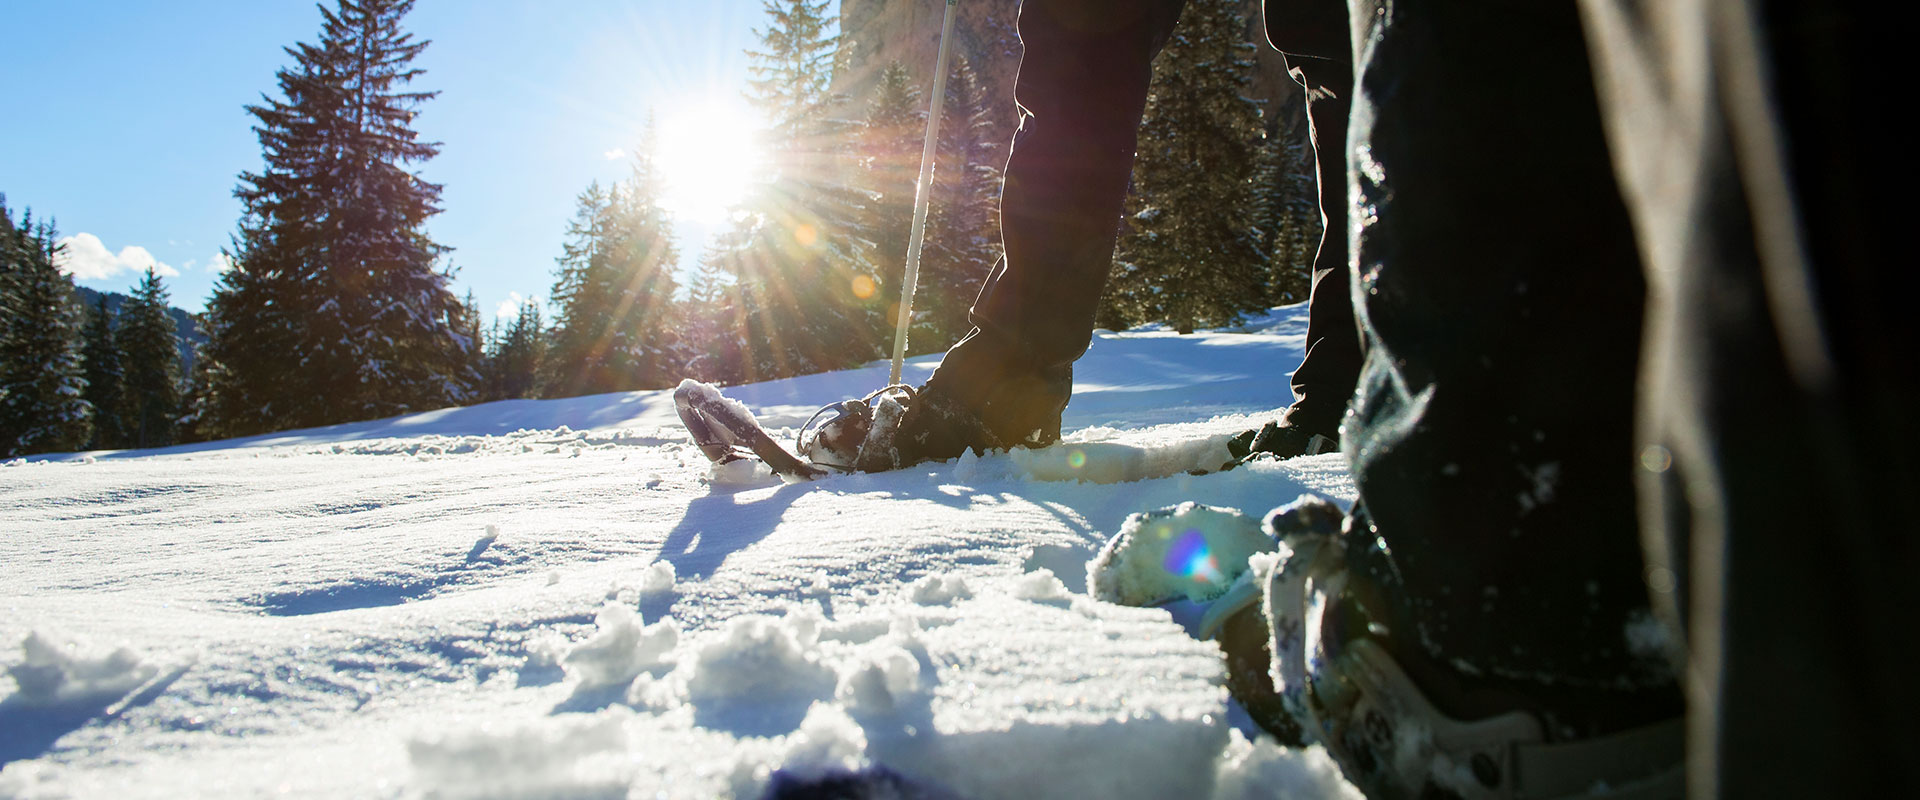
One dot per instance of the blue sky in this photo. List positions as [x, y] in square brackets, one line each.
[124, 120]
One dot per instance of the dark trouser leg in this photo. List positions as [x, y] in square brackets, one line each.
[1491, 435]
[1082, 85]
[1315, 37]
[1779, 470]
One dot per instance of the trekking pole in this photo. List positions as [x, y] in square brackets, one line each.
[921, 197]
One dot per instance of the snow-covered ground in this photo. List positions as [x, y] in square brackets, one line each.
[553, 599]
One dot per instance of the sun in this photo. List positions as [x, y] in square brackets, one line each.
[709, 154]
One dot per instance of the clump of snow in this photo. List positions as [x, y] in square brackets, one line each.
[759, 658]
[1190, 550]
[828, 739]
[746, 471]
[1117, 462]
[1259, 769]
[827, 743]
[1041, 585]
[620, 649]
[52, 675]
[875, 683]
[939, 590]
[659, 577]
[563, 757]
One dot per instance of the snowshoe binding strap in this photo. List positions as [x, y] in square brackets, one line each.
[836, 436]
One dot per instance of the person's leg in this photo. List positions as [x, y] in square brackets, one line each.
[1490, 438]
[1082, 87]
[1313, 35]
[1778, 463]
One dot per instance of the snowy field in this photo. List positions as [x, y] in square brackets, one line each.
[555, 599]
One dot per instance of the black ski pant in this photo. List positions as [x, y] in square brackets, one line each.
[1725, 192]
[1082, 87]
[1491, 435]
[1776, 437]
[1314, 36]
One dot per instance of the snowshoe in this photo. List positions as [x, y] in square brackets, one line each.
[727, 432]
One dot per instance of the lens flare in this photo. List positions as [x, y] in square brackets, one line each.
[862, 286]
[1076, 459]
[1190, 557]
[805, 235]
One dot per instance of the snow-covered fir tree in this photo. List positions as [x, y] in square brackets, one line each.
[336, 308]
[513, 365]
[963, 223]
[1287, 204]
[710, 344]
[151, 390]
[889, 151]
[1189, 256]
[104, 377]
[804, 281]
[43, 403]
[615, 328]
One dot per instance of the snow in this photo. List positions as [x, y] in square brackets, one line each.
[556, 599]
[1191, 551]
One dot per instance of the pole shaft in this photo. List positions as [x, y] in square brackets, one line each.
[922, 197]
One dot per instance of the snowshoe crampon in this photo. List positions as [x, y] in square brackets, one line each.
[726, 432]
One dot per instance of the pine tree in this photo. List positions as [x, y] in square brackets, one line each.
[104, 378]
[335, 309]
[963, 224]
[579, 362]
[42, 377]
[805, 290]
[151, 399]
[616, 329]
[199, 380]
[466, 324]
[889, 149]
[710, 351]
[1287, 204]
[518, 354]
[1190, 255]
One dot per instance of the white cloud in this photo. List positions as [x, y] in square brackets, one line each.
[614, 155]
[87, 258]
[509, 307]
[219, 263]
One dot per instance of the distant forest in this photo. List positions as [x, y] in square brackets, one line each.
[339, 306]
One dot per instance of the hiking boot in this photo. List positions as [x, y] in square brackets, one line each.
[1403, 723]
[1281, 440]
[900, 425]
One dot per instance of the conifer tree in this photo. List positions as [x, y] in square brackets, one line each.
[580, 362]
[152, 350]
[191, 428]
[1287, 204]
[335, 309]
[963, 225]
[43, 403]
[104, 377]
[1190, 254]
[615, 330]
[889, 149]
[518, 355]
[805, 288]
[710, 348]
